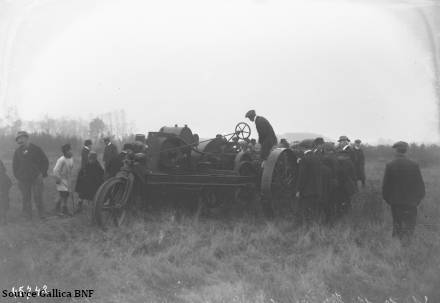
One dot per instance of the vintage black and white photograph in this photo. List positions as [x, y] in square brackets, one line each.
[220, 151]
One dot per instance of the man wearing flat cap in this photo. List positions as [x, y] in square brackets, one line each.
[266, 134]
[403, 189]
[30, 166]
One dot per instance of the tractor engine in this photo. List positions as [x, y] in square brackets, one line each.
[170, 149]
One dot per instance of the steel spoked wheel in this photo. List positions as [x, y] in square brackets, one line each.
[243, 130]
[279, 174]
[111, 202]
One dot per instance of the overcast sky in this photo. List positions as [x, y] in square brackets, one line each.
[331, 67]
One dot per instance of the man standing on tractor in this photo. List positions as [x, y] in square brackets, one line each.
[266, 134]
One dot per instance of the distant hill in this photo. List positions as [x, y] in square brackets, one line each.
[301, 136]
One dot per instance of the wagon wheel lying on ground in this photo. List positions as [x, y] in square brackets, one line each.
[278, 179]
[112, 201]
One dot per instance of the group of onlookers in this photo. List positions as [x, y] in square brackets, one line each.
[30, 166]
[328, 177]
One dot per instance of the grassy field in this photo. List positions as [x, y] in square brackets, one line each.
[249, 259]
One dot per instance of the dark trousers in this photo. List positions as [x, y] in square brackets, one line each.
[266, 147]
[29, 189]
[404, 221]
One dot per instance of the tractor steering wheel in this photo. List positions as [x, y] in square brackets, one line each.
[243, 130]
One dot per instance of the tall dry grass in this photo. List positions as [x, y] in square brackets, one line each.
[248, 259]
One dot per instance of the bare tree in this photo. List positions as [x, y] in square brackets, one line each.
[97, 128]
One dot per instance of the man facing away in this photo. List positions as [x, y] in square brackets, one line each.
[403, 189]
[30, 166]
[266, 134]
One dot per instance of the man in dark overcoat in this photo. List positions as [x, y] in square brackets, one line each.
[110, 153]
[116, 163]
[90, 178]
[359, 162]
[309, 183]
[85, 152]
[403, 189]
[327, 175]
[30, 166]
[330, 160]
[266, 134]
[346, 175]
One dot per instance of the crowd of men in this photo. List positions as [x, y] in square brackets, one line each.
[328, 176]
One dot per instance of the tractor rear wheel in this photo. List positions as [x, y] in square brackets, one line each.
[278, 179]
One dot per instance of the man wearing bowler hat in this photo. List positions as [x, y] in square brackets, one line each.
[266, 134]
[403, 189]
[30, 166]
